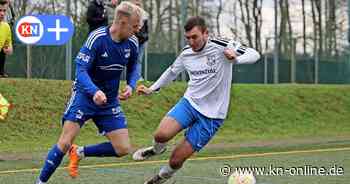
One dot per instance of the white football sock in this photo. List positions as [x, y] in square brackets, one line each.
[158, 147]
[167, 172]
[39, 182]
[80, 152]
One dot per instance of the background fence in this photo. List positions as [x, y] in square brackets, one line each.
[309, 38]
[49, 63]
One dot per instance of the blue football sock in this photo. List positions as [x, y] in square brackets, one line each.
[53, 160]
[100, 150]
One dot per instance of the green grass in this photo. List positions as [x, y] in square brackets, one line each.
[262, 118]
[207, 171]
[258, 114]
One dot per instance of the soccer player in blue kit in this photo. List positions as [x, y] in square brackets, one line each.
[99, 64]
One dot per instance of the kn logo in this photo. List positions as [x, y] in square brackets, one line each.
[44, 29]
[29, 30]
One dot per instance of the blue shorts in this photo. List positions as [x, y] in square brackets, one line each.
[107, 118]
[200, 129]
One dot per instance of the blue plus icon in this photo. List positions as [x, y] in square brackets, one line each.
[58, 30]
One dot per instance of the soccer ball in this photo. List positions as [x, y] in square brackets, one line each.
[4, 107]
[241, 178]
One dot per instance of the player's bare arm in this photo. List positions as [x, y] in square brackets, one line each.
[230, 54]
[143, 90]
[100, 98]
[125, 93]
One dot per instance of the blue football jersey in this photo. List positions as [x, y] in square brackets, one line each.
[100, 62]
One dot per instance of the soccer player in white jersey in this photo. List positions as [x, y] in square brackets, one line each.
[204, 106]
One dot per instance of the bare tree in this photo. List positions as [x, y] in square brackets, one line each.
[53, 7]
[330, 37]
[171, 25]
[286, 32]
[218, 14]
[304, 26]
[246, 19]
[315, 30]
[257, 6]
[318, 5]
[196, 9]
[251, 18]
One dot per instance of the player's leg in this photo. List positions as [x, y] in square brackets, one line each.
[181, 153]
[56, 154]
[114, 126]
[167, 129]
[76, 114]
[197, 136]
[120, 141]
[177, 119]
[117, 146]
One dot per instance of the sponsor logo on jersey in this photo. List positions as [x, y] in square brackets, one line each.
[211, 60]
[79, 114]
[127, 53]
[104, 55]
[83, 57]
[203, 72]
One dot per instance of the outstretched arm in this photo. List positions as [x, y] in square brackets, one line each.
[240, 54]
[168, 76]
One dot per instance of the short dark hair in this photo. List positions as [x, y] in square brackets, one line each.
[195, 21]
[4, 2]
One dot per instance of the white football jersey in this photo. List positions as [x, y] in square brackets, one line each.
[210, 74]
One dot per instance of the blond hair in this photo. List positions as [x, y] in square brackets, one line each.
[126, 9]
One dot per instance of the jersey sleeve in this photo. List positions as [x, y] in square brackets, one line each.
[131, 69]
[245, 54]
[170, 74]
[8, 41]
[84, 62]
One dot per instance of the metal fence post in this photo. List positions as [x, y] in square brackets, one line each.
[317, 60]
[293, 61]
[266, 60]
[146, 62]
[29, 62]
[275, 58]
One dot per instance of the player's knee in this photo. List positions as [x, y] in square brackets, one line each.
[64, 145]
[161, 136]
[122, 150]
[176, 162]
